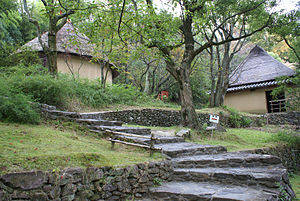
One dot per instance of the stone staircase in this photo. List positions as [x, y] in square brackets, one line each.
[204, 172]
[215, 174]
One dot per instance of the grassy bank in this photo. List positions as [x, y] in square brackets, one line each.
[31, 147]
[295, 182]
[237, 139]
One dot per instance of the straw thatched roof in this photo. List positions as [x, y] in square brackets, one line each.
[258, 67]
[68, 40]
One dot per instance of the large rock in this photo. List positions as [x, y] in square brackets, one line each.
[25, 180]
[184, 133]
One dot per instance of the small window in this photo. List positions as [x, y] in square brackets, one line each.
[275, 104]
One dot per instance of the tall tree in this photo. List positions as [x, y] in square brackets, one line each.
[287, 29]
[220, 62]
[166, 33]
[57, 13]
[101, 28]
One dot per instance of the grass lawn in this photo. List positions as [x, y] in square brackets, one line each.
[237, 139]
[31, 147]
[295, 182]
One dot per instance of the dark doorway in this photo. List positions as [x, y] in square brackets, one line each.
[275, 104]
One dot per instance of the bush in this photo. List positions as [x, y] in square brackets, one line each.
[236, 120]
[42, 89]
[65, 90]
[291, 139]
[123, 94]
[16, 107]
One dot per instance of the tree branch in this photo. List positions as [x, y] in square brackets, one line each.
[293, 49]
[237, 14]
[44, 2]
[120, 21]
[61, 24]
[211, 43]
[87, 8]
[35, 22]
[63, 15]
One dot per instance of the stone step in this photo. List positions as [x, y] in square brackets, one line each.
[100, 122]
[168, 139]
[209, 191]
[187, 149]
[267, 177]
[57, 114]
[234, 159]
[159, 139]
[124, 129]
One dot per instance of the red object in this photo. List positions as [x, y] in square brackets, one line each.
[162, 94]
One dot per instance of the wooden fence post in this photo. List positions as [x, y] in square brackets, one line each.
[152, 144]
[113, 143]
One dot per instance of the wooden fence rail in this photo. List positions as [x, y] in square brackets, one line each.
[114, 139]
[278, 105]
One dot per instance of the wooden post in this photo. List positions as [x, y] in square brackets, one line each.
[151, 144]
[113, 143]
[271, 104]
[280, 106]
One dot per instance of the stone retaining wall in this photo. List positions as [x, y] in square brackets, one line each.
[164, 118]
[92, 183]
[143, 117]
[291, 118]
[290, 156]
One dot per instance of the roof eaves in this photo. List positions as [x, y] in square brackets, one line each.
[252, 86]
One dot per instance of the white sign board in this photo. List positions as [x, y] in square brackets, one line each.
[214, 119]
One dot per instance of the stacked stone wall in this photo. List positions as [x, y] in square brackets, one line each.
[290, 156]
[291, 118]
[143, 117]
[105, 183]
[164, 118]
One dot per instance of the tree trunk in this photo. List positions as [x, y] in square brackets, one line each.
[147, 82]
[52, 50]
[223, 77]
[188, 114]
[212, 77]
[218, 89]
[225, 74]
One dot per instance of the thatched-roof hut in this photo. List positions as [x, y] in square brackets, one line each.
[252, 82]
[74, 54]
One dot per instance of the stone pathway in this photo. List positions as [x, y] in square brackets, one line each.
[205, 172]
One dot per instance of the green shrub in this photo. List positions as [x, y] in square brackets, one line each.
[236, 120]
[291, 139]
[123, 94]
[35, 82]
[16, 107]
[89, 92]
[43, 89]
[246, 122]
[23, 70]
